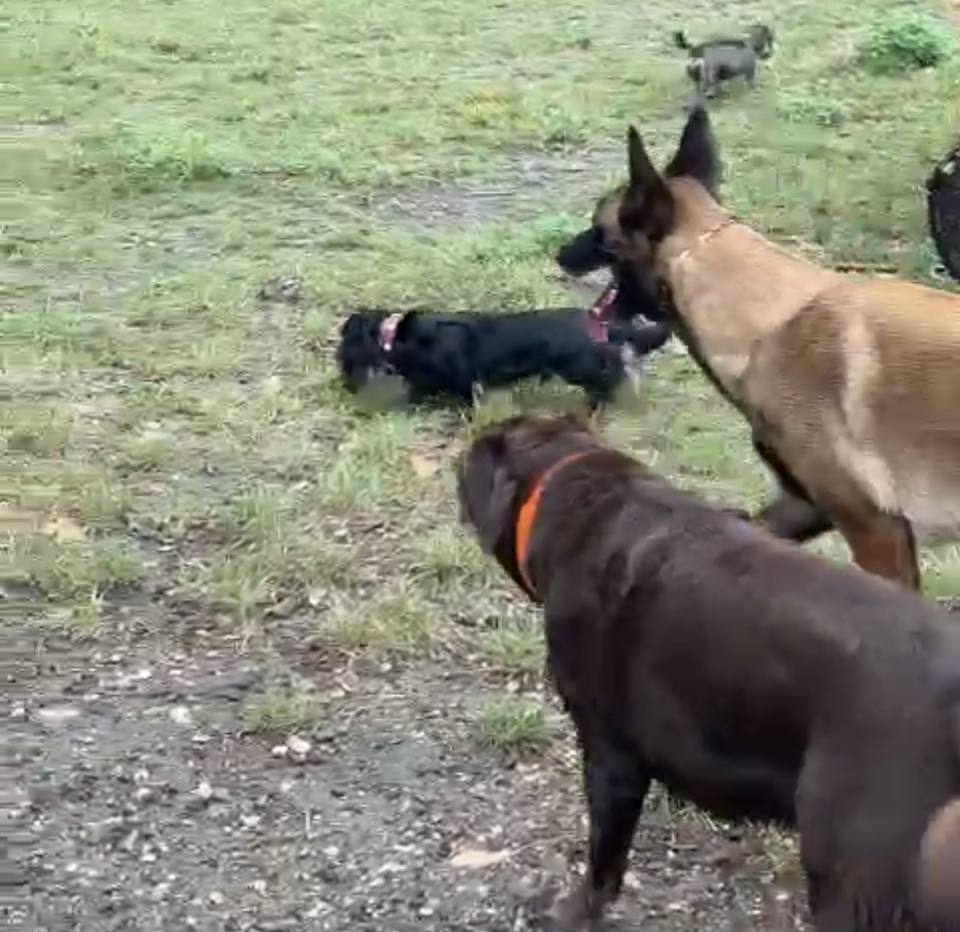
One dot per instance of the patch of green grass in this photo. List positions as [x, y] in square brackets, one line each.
[513, 724]
[812, 109]
[280, 710]
[140, 160]
[514, 649]
[537, 240]
[73, 572]
[397, 622]
[446, 557]
[907, 39]
[942, 571]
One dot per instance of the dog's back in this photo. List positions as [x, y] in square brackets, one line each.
[714, 586]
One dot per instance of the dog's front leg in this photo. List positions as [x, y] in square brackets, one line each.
[616, 786]
[709, 79]
[792, 515]
[793, 518]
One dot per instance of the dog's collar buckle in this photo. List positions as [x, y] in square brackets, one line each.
[388, 332]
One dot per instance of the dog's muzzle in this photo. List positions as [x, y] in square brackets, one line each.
[584, 253]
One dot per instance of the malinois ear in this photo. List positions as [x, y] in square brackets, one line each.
[646, 207]
[642, 172]
[696, 156]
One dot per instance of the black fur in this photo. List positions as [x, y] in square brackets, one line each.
[943, 210]
[450, 355]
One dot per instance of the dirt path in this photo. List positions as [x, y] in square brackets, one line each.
[142, 804]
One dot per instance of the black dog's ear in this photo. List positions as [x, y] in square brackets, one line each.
[696, 156]
[642, 172]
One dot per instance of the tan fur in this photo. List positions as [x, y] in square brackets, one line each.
[857, 379]
[872, 379]
[775, 290]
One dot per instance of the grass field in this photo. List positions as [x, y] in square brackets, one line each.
[177, 456]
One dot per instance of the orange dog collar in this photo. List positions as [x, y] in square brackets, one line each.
[528, 514]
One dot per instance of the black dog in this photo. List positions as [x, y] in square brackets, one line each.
[724, 58]
[455, 354]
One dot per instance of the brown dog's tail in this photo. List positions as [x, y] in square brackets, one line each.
[939, 867]
[680, 40]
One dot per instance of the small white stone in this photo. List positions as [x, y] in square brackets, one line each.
[298, 746]
[181, 715]
[57, 715]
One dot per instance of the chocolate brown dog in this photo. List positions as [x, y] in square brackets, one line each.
[752, 678]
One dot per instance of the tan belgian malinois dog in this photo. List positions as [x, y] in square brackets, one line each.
[851, 385]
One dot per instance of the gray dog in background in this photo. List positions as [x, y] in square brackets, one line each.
[721, 59]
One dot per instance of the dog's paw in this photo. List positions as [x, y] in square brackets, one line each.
[550, 910]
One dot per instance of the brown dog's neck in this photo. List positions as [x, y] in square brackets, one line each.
[730, 285]
[527, 515]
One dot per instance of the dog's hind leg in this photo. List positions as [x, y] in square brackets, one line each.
[881, 543]
[616, 786]
[709, 78]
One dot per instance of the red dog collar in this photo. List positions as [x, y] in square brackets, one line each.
[388, 331]
[597, 323]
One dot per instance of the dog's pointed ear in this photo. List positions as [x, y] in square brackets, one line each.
[642, 172]
[647, 204]
[696, 156]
